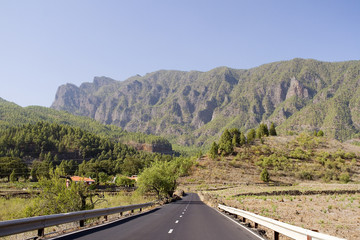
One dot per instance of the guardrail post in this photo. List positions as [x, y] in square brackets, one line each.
[132, 211]
[121, 213]
[309, 237]
[276, 235]
[82, 223]
[255, 225]
[41, 232]
[105, 217]
[140, 210]
[244, 219]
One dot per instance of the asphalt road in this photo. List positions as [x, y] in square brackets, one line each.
[188, 218]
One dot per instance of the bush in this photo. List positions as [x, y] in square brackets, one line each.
[305, 175]
[124, 181]
[264, 175]
[344, 177]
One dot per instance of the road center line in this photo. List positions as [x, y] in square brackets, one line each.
[171, 230]
[177, 221]
[180, 215]
[183, 213]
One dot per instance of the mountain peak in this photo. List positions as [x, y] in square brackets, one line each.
[196, 106]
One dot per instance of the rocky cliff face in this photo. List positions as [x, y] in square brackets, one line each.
[196, 106]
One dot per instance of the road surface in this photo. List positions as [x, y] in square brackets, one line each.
[188, 218]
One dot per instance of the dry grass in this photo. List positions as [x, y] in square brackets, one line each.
[337, 215]
[227, 176]
[14, 209]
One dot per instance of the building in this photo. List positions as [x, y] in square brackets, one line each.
[77, 179]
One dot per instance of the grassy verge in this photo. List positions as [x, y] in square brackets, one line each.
[336, 214]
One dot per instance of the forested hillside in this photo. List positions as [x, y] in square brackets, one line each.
[195, 107]
[41, 146]
[12, 115]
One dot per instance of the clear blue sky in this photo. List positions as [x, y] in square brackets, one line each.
[44, 44]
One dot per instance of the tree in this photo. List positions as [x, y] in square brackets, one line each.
[242, 139]
[264, 175]
[132, 166]
[225, 137]
[160, 178]
[56, 197]
[8, 165]
[235, 133]
[214, 150]
[272, 130]
[103, 177]
[262, 131]
[251, 135]
[225, 143]
[13, 176]
[124, 181]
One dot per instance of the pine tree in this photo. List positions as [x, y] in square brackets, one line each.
[242, 139]
[225, 143]
[272, 130]
[235, 140]
[235, 133]
[251, 135]
[225, 137]
[258, 133]
[13, 176]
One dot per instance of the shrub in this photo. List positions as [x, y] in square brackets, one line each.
[305, 175]
[264, 175]
[344, 177]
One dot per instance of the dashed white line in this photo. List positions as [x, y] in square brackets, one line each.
[180, 215]
[171, 230]
[177, 221]
[183, 213]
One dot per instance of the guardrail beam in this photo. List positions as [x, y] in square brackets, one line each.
[278, 227]
[39, 223]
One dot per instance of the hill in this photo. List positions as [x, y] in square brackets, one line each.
[195, 107]
[45, 145]
[12, 115]
[314, 182]
[288, 160]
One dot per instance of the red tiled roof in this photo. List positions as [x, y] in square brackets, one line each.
[84, 179]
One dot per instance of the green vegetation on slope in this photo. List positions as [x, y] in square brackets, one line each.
[12, 115]
[298, 159]
[44, 145]
[194, 108]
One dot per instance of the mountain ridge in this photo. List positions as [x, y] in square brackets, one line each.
[194, 107]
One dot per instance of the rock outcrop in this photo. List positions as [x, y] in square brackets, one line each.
[195, 106]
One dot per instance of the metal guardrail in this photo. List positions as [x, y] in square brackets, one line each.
[288, 230]
[40, 223]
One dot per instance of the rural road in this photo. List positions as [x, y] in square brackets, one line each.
[188, 218]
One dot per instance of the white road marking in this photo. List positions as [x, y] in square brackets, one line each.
[180, 215]
[183, 213]
[171, 230]
[177, 221]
